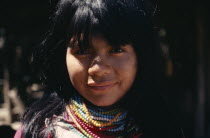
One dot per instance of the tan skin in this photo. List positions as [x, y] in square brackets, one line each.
[102, 74]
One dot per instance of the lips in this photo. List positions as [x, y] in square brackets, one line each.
[101, 85]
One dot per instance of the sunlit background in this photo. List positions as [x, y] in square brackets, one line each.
[185, 40]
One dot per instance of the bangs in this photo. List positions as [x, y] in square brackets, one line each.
[118, 26]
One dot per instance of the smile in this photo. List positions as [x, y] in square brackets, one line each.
[101, 86]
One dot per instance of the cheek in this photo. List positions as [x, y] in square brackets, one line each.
[76, 71]
[130, 73]
[126, 69]
[127, 65]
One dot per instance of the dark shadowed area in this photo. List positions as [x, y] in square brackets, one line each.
[183, 28]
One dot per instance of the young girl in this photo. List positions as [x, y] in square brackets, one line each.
[102, 70]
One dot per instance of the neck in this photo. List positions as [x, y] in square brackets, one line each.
[95, 115]
[90, 118]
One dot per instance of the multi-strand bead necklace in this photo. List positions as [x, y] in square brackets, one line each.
[95, 121]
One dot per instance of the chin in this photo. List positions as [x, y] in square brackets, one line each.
[102, 102]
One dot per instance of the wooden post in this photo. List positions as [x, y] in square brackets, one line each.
[201, 90]
[7, 104]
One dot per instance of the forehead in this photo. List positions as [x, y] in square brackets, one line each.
[99, 42]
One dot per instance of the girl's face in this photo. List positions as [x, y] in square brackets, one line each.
[102, 74]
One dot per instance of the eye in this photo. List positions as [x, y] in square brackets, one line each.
[117, 50]
[82, 52]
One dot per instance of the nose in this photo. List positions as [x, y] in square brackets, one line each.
[100, 67]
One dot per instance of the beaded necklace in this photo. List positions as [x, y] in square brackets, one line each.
[96, 122]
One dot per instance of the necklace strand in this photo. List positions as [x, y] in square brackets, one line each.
[95, 122]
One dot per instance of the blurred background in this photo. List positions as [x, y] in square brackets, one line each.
[184, 32]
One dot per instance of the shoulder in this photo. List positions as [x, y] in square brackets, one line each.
[18, 133]
[63, 128]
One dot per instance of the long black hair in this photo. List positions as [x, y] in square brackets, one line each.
[119, 22]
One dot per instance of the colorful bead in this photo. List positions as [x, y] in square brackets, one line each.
[93, 121]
